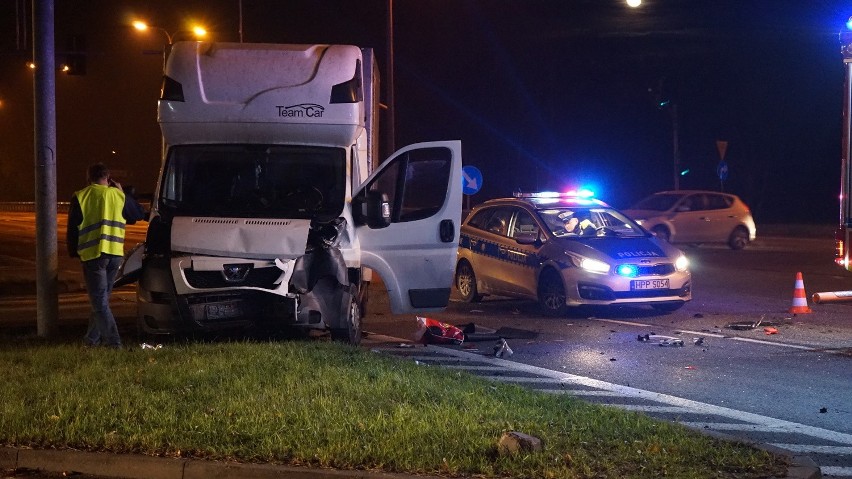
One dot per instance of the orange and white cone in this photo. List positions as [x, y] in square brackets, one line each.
[800, 301]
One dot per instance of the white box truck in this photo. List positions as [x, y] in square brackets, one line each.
[271, 208]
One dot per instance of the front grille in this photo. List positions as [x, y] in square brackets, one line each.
[661, 269]
[257, 277]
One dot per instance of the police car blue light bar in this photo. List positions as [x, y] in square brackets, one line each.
[583, 193]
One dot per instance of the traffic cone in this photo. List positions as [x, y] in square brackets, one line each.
[800, 301]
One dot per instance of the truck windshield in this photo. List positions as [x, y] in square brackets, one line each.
[260, 181]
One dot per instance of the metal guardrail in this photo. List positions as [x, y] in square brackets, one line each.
[29, 206]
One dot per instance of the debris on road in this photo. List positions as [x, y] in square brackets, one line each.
[664, 341]
[502, 349]
[432, 331]
[698, 341]
[770, 330]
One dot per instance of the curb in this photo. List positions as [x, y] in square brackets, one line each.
[134, 466]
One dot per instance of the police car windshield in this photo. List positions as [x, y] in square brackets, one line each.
[593, 222]
[270, 181]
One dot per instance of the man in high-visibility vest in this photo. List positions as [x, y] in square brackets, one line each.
[96, 220]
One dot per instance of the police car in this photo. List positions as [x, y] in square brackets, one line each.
[565, 250]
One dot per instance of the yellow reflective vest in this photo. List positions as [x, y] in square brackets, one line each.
[102, 228]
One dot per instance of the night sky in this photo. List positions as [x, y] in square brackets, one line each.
[544, 94]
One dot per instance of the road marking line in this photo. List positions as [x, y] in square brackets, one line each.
[472, 368]
[579, 392]
[780, 424]
[729, 426]
[444, 358]
[809, 448]
[641, 408]
[836, 471]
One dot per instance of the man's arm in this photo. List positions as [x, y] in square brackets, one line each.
[132, 210]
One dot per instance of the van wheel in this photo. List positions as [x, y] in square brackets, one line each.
[663, 233]
[738, 239]
[351, 333]
[466, 283]
[551, 294]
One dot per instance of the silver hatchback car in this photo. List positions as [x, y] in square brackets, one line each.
[695, 217]
[565, 251]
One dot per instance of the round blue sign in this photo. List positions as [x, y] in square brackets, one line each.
[471, 180]
[722, 170]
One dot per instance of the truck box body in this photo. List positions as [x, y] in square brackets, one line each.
[268, 205]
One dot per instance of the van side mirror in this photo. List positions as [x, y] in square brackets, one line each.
[373, 208]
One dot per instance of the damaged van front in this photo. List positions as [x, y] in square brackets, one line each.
[271, 220]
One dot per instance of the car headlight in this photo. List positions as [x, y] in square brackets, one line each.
[681, 264]
[588, 264]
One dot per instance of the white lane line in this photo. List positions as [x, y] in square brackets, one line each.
[526, 379]
[580, 392]
[444, 358]
[727, 426]
[831, 471]
[702, 408]
[713, 335]
[814, 449]
[640, 408]
[467, 367]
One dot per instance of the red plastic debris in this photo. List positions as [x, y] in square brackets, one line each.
[432, 331]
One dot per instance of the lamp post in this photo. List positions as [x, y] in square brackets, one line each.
[197, 30]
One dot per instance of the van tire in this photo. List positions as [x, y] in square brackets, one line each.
[351, 333]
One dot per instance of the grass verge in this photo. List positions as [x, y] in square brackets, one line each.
[319, 404]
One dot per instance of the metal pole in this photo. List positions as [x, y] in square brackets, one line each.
[47, 296]
[241, 20]
[391, 133]
[676, 147]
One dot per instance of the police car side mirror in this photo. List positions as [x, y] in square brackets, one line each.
[373, 209]
[526, 238]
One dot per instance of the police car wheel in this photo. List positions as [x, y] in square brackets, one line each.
[466, 283]
[351, 334]
[551, 293]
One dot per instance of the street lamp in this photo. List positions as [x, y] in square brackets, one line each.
[197, 30]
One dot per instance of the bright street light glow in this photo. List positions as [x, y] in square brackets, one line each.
[199, 31]
[634, 3]
[141, 26]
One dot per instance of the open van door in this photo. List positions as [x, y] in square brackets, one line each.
[408, 215]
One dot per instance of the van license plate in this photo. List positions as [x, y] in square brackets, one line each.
[637, 284]
[223, 311]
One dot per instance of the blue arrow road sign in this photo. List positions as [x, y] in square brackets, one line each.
[722, 170]
[471, 180]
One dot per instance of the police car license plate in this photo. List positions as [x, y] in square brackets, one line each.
[649, 284]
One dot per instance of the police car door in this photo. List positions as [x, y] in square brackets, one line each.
[415, 254]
